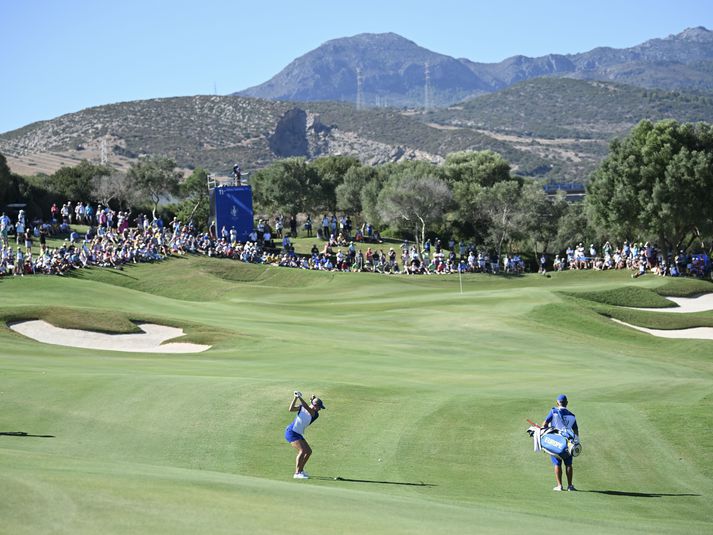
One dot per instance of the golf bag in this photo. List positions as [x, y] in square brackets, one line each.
[555, 442]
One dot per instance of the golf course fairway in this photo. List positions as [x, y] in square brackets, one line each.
[427, 390]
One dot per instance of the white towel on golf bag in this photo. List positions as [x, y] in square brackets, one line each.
[536, 434]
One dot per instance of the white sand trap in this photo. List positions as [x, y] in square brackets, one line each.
[698, 333]
[148, 341]
[702, 303]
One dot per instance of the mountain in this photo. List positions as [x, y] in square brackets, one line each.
[216, 131]
[393, 70]
[556, 128]
[557, 108]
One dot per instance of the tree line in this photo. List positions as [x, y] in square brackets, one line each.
[656, 184]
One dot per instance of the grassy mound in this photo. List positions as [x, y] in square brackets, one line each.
[660, 320]
[685, 287]
[620, 303]
[627, 296]
[106, 321]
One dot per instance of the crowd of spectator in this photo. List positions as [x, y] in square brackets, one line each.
[115, 238]
[109, 242]
[639, 258]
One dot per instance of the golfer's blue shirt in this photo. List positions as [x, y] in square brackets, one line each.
[302, 420]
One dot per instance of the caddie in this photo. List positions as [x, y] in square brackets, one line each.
[563, 420]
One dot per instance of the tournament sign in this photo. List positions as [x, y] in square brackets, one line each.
[232, 206]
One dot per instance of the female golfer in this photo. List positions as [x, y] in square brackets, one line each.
[306, 414]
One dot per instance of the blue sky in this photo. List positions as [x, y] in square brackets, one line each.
[61, 56]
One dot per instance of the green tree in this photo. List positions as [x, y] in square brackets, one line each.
[289, 186]
[414, 203]
[349, 192]
[656, 183]
[484, 168]
[76, 182]
[540, 217]
[574, 227]
[196, 204]
[7, 184]
[331, 171]
[470, 174]
[113, 187]
[408, 168]
[502, 207]
[154, 177]
[369, 198]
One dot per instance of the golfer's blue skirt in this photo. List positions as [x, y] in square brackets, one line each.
[291, 436]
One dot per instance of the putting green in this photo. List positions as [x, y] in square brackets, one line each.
[423, 384]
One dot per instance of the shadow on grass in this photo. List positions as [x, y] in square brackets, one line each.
[380, 482]
[22, 434]
[637, 494]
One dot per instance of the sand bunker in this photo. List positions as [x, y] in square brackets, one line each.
[698, 333]
[701, 303]
[149, 341]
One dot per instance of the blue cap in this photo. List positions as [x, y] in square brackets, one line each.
[562, 398]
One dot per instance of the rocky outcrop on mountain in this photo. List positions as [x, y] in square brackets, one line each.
[301, 133]
[290, 136]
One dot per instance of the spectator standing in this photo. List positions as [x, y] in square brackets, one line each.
[19, 263]
[325, 227]
[79, 213]
[28, 239]
[20, 228]
[4, 229]
[89, 214]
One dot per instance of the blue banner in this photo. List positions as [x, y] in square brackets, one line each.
[233, 207]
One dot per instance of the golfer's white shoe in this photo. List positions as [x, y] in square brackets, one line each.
[558, 488]
[305, 473]
[302, 475]
[571, 488]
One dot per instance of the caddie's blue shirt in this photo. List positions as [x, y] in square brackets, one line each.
[562, 419]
